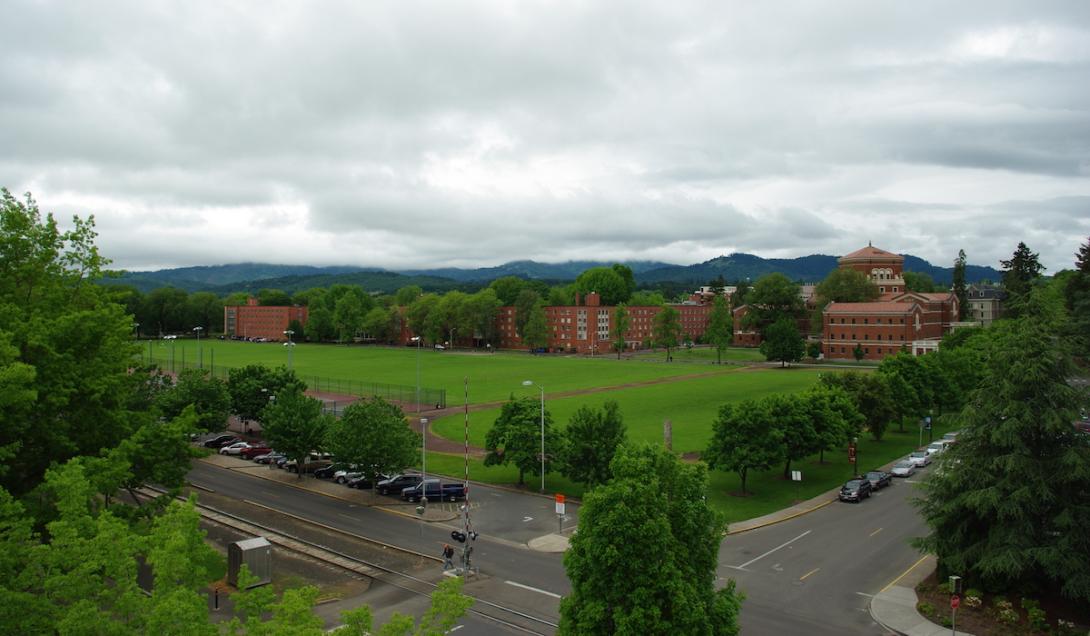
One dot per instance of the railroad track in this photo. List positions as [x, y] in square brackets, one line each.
[355, 565]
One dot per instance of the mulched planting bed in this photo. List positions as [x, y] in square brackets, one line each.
[1003, 615]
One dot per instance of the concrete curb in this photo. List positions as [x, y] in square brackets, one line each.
[895, 606]
[777, 518]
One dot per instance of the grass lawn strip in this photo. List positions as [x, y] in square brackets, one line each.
[491, 376]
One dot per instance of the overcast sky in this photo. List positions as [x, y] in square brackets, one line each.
[451, 133]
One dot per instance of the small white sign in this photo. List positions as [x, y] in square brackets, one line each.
[560, 507]
[796, 475]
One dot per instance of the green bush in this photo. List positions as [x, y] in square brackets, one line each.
[972, 591]
[945, 587]
[925, 608]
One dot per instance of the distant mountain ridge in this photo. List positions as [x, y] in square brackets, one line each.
[251, 277]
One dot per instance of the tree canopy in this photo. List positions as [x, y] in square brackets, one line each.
[374, 435]
[515, 437]
[1009, 508]
[1020, 273]
[666, 329]
[589, 443]
[644, 559]
[720, 330]
[773, 297]
[610, 284]
[781, 342]
[295, 425]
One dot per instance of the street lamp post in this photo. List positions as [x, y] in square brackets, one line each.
[136, 330]
[542, 389]
[200, 352]
[290, 345]
[417, 340]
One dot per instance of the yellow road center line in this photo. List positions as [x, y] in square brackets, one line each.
[803, 577]
[875, 532]
[905, 573]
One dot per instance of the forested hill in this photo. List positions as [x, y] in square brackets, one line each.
[291, 278]
[807, 269]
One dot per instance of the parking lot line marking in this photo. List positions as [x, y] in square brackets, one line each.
[803, 577]
[346, 516]
[875, 532]
[533, 589]
[782, 545]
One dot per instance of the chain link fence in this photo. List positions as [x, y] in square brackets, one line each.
[403, 394]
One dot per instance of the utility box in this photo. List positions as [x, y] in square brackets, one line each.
[256, 553]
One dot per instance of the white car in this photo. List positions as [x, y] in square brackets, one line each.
[234, 449]
[920, 458]
[903, 468]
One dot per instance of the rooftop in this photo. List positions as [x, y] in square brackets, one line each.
[870, 253]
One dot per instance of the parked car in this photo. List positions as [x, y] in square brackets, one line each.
[220, 441]
[345, 476]
[903, 468]
[282, 461]
[234, 449]
[328, 471]
[920, 458]
[254, 451]
[396, 484]
[879, 479]
[269, 458]
[952, 436]
[363, 481]
[935, 448]
[434, 491]
[855, 490]
[309, 467]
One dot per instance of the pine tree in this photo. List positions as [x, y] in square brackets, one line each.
[960, 290]
[1019, 275]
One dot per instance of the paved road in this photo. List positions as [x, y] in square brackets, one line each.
[815, 574]
[512, 575]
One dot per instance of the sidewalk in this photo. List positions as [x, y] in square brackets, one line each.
[895, 606]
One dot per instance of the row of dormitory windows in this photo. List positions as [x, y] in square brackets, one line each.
[866, 350]
[878, 337]
[866, 321]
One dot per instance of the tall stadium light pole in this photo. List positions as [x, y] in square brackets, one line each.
[531, 383]
[200, 352]
[290, 345]
[417, 340]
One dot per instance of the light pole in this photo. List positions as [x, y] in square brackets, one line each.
[136, 330]
[417, 340]
[452, 330]
[542, 389]
[200, 352]
[290, 345]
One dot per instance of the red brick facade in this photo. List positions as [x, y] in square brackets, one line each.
[899, 320]
[589, 328]
[254, 321]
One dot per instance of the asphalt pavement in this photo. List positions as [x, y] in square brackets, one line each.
[812, 573]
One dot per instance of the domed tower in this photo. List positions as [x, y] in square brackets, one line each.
[882, 267]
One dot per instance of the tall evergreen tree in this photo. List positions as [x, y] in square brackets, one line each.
[1019, 275]
[1077, 302]
[961, 291]
[1009, 511]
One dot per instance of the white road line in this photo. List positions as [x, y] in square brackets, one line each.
[865, 594]
[784, 545]
[533, 589]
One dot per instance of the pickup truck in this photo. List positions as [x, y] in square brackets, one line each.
[435, 491]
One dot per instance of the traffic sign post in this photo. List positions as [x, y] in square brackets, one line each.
[852, 456]
[955, 600]
[560, 507]
[796, 476]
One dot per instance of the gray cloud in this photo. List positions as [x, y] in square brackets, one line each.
[365, 134]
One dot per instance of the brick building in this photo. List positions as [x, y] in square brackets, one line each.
[255, 321]
[589, 327]
[898, 320]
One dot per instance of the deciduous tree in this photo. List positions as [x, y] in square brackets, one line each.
[295, 425]
[209, 396]
[781, 342]
[535, 333]
[744, 438]
[645, 557]
[607, 282]
[773, 297]
[621, 321]
[374, 435]
[720, 330]
[251, 387]
[871, 396]
[515, 437]
[590, 442]
[666, 329]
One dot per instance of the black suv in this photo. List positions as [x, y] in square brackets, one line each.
[220, 441]
[855, 490]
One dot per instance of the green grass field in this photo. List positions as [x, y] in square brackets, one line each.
[691, 405]
[492, 377]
